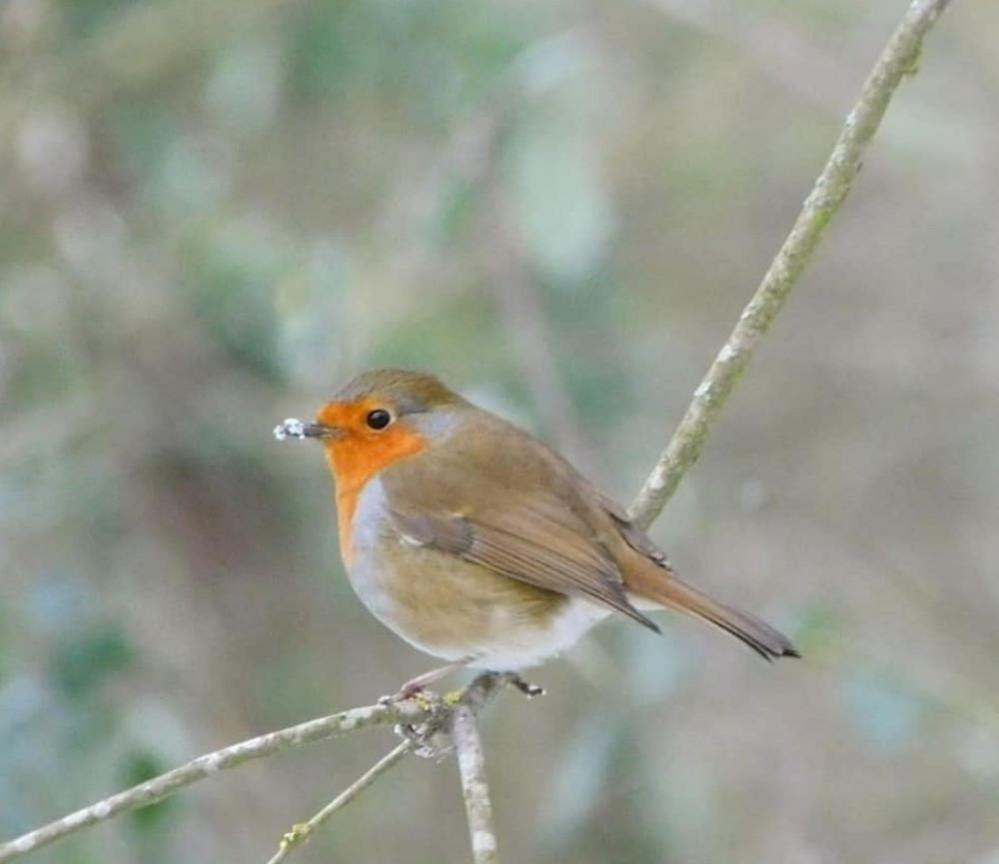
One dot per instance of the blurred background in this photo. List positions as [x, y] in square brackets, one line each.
[213, 214]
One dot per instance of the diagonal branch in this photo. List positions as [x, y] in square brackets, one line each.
[300, 833]
[898, 59]
[410, 712]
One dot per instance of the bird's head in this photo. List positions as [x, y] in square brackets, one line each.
[378, 417]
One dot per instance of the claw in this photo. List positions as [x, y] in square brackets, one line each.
[431, 737]
[526, 687]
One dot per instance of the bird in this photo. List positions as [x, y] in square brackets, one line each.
[479, 544]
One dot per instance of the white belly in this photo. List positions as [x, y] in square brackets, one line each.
[523, 648]
[503, 642]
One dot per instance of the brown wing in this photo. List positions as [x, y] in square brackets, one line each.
[634, 536]
[513, 509]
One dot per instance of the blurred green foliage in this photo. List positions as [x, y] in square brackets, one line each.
[81, 663]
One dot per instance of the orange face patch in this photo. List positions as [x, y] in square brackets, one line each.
[360, 452]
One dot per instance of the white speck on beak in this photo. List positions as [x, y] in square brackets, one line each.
[290, 428]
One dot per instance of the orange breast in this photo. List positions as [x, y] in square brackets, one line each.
[354, 460]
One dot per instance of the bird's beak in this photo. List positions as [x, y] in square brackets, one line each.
[319, 430]
[294, 428]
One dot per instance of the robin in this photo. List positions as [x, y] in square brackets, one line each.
[477, 543]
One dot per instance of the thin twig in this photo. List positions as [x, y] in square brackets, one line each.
[409, 712]
[300, 833]
[898, 59]
[472, 768]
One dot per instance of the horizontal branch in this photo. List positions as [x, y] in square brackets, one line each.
[409, 712]
[898, 59]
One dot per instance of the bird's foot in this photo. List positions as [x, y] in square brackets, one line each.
[431, 737]
[526, 687]
[417, 685]
[401, 695]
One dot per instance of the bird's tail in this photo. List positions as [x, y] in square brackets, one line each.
[662, 587]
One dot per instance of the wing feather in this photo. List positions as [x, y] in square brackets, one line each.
[533, 535]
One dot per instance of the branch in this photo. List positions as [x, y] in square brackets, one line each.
[898, 59]
[472, 767]
[459, 722]
[300, 833]
[410, 712]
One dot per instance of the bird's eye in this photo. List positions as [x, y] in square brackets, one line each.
[378, 419]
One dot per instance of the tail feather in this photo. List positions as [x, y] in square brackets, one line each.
[666, 589]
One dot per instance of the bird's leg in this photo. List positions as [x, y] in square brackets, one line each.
[421, 682]
[432, 738]
[526, 687]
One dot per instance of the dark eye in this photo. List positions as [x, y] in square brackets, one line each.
[379, 418]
